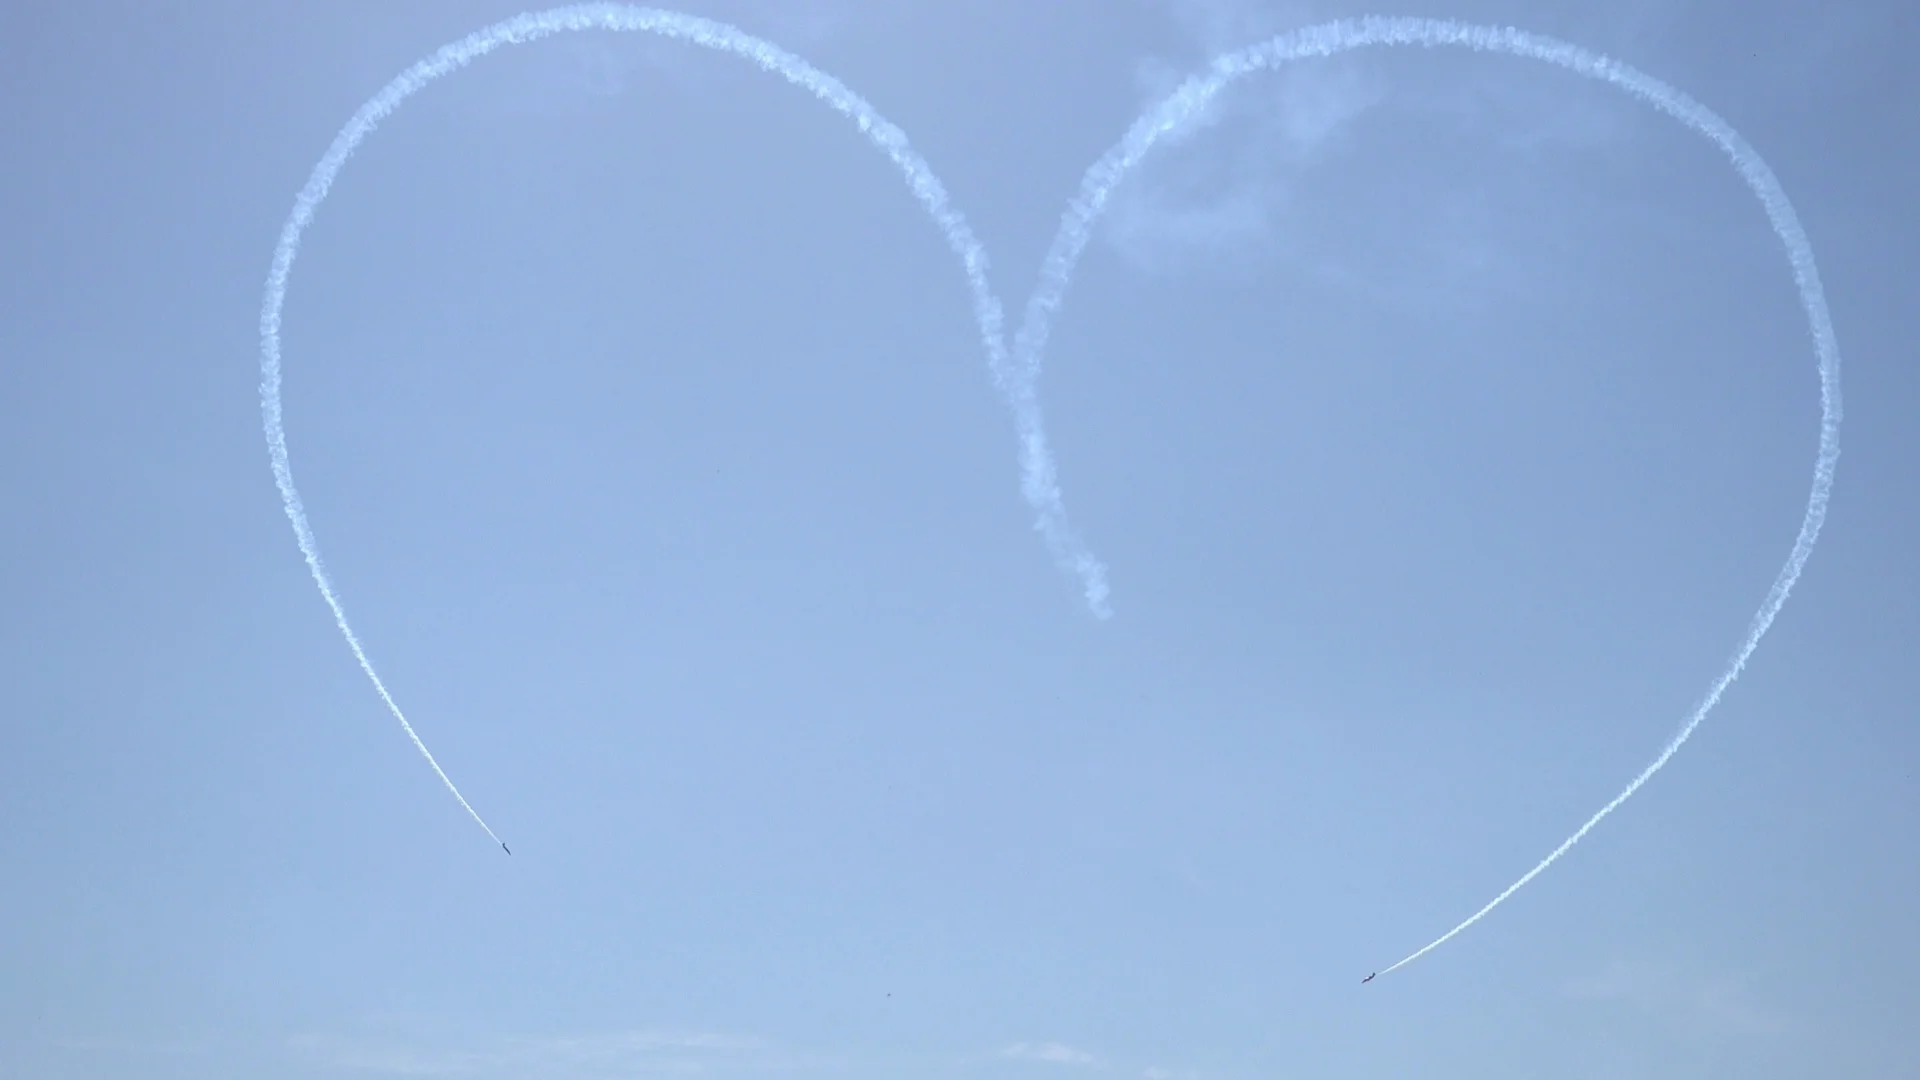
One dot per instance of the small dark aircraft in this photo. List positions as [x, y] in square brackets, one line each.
[505, 848]
[1368, 979]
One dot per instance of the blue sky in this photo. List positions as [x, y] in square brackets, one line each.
[1442, 419]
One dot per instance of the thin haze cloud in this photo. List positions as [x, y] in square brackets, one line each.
[1016, 370]
[1241, 192]
[1052, 1053]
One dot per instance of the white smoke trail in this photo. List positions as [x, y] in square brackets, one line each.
[1336, 37]
[1016, 374]
[1038, 483]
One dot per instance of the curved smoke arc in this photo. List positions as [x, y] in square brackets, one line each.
[1037, 473]
[1328, 39]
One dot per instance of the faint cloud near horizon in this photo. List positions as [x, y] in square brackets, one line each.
[1052, 1053]
[1058, 1053]
[1076, 1057]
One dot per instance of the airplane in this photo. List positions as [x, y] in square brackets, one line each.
[505, 848]
[1368, 979]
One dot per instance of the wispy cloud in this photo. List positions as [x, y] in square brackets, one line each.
[1703, 1005]
[1073, 1057]
[1282, 169]
[1053, 1053]
[1224, 182]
